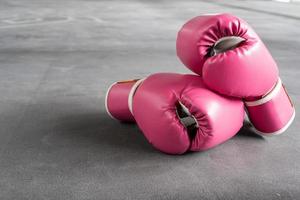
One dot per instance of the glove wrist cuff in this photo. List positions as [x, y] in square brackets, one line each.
[273, 113]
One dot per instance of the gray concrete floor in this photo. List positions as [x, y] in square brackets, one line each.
[57, 59]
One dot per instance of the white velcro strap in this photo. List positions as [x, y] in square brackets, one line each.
[131, 94]
[106, 99]
[268, 97]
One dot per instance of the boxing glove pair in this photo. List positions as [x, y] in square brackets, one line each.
[178, 113]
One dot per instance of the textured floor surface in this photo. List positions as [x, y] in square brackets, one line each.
[57, 58]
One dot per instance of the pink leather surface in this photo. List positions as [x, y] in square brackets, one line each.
[154, 107]
[117, 101]
[273, 115]
[246, 71]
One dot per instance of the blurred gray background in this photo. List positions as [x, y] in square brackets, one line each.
[57, 59]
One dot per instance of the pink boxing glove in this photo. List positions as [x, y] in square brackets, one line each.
[234, 61]
[176, 113]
